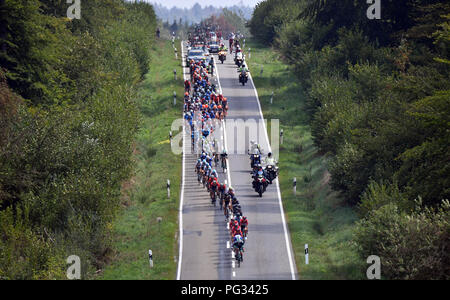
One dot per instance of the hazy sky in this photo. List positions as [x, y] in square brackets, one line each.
[203, 3]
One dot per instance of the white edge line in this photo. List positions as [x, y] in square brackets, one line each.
[286, 235]
[180, 210]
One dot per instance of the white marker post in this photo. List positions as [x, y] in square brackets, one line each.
[306, 254]
[168, 189]
[174, 98]
[150, 258]
[249, 53]
[271, 97]
[281, 136]
[294, 184]
[175, 73]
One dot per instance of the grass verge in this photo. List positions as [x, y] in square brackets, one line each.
[137, 229]
[316, 215]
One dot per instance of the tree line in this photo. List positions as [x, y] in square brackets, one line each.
[197, 13]
[68, 120]
[379, 104]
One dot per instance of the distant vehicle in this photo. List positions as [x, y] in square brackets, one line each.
[213, 37]
[196, 55]
[201, 47]
[213, 48]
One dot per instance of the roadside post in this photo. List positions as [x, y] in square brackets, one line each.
[306, 254]
[294, 184]
[175, 71]
[249, 53]
[168, 189]
[262, 70]
[281, 136]
[174, 98]
[159, 220]
[271, 98]
[176, 56]
[150, 258]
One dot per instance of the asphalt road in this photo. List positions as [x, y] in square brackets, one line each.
[268, 251]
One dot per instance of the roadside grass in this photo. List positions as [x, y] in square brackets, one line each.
[316, 215]
[136, 230]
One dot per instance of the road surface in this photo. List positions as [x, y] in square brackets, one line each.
[203, 251]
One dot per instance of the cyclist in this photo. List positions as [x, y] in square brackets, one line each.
[244, 226]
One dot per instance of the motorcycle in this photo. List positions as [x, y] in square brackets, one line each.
[255, 159]
[222, 56]
[239, 62]
[272, 173]
[243, 78]
[260, 184]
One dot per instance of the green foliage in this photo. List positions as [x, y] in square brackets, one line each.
[33, 51]
[411, 246]
[377, 195]
[378, 102]
[425, 169]
[67, 148]
[269, 16]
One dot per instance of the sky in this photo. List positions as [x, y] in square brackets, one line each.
[203, 3]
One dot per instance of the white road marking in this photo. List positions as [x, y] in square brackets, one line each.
[234, 274]
[180, 221]
[228, 244]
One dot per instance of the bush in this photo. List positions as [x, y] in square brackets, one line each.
[377, 195]
[411, 246]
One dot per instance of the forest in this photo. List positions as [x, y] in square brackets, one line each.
[68, 121]
[378, 100]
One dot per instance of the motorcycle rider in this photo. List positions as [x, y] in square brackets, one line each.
[243, 69]
[270, 160]
[259, 172]
[255, 153]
